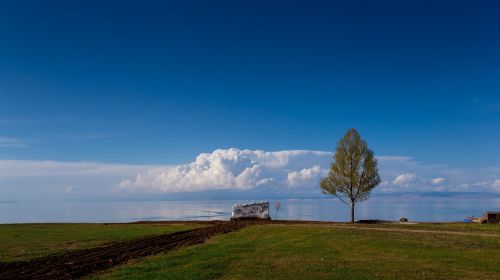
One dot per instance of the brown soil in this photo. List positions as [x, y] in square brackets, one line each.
[77, 264]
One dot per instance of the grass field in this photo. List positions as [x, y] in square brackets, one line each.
[283, 251]
[323, 252]
[25, 241]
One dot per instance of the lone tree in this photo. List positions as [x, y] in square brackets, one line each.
[353, 172]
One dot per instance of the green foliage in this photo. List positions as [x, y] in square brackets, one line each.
[353, 172]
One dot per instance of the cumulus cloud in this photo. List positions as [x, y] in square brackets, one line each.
[234, 169]
[405, 180]
[294, 173]
[305, 176]
[297, 171]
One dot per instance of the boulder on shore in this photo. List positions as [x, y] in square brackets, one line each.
[258, 210]
[403, 220]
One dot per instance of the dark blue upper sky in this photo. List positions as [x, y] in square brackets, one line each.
[159, 82]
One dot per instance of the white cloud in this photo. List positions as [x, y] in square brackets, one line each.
[49, 168]
[35, 180]
[294, 172]
[305, 176]
[405, 180]
[297, 171]
[234, 169]
[437, 181]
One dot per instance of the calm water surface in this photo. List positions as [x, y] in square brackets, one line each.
[387, 208]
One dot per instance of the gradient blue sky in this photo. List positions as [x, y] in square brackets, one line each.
[159, 82]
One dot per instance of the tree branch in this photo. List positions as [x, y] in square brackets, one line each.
[340, 198]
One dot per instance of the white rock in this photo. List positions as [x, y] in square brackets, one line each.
[251, 211]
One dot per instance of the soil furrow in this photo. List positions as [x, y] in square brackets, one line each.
[76, 264]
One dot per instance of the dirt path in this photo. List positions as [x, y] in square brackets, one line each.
[79, 263]
[344, 226]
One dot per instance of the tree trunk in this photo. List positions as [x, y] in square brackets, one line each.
[352, 212]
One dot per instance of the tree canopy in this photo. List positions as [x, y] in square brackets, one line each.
[353, 173]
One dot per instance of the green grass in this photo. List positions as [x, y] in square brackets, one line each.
[323, 252]
[279, 251]
[25, 241]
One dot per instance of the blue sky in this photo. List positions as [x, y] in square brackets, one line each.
[158, 83]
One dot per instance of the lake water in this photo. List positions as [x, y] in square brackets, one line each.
[386, 208]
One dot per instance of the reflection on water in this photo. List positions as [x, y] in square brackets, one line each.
[386, 208]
